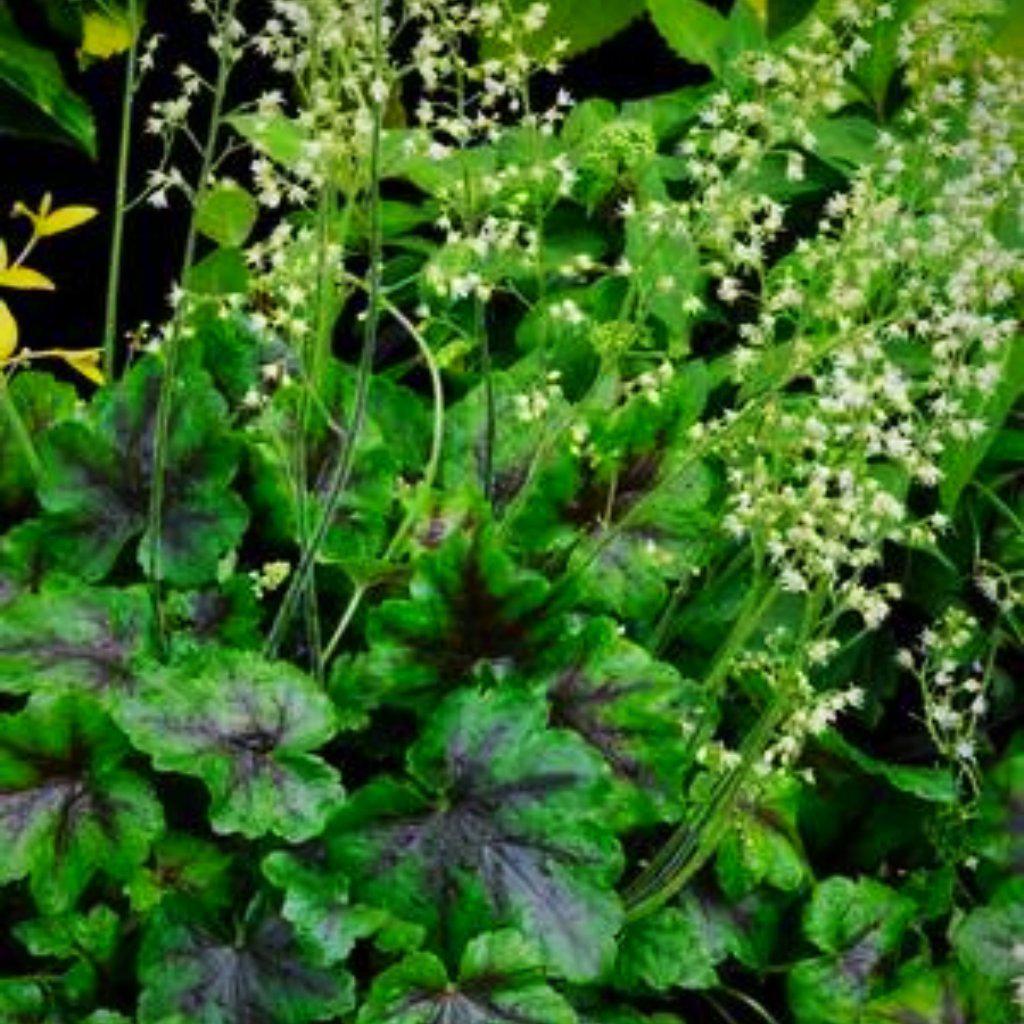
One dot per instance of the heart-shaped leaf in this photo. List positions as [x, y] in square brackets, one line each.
[246, 727]
[500, 981]
[84, 640]
[632, 708]
[98, 478]
[68, 809]
[259, 975]
[500, 824]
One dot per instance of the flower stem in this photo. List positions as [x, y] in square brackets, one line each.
[163, 414]
[343, 469]
[120, 199]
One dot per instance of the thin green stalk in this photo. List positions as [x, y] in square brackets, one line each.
[121, 198]
[490, 436]
[343, 470]
[163, 415]
[694, 842]
[429, 476]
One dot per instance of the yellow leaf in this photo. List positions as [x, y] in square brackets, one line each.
[3, 254]
[85, 361]
[64, 219]
[8, 333]
[25, 279]
[105, 35]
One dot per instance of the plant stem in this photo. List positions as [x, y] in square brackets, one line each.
[429, 474]
[163, 415]
[343, 471]
[120, 199]
[692, 843]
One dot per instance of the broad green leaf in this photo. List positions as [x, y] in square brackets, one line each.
[500, 981]
[664, 951]
[227, 214]
[222, 272]
[502, 825]
[68, 809]
[80, 641]
[280, 137]
[573, 26]
[246, 727]
[1001, 813]
[33, 75]
[933, 784]
[361, 523]
[182, 870]
[990, 941]
[844, 912]
[256, 974]
[632, 708]
[472, 610]
[763, 845]
[93, 935]
[856, 924]
[318, 907]
[693, 29]
[98, 474]
[40, 402]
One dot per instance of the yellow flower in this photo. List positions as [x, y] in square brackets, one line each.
[46, 221]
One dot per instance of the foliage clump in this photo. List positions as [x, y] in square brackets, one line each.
[558, 562]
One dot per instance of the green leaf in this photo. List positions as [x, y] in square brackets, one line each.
[222, 272]
[318, 907]
[694, 30]
[33, 75]
[244, 726]
[763, 846]
[578, 22]
[280, 137]
[361, 523]
[500, 982]
[471, 611]
[98, 477]
[855, 924]
[989, 941]
[502, 826]
[93, 936]
[257, 974]
[227, 214]
[1001, 814]
[663, 951]
[40, 401]
[632, 708]
[68, 809]
[82, 640]
[182, 870]
[936, 785]
[844, 912]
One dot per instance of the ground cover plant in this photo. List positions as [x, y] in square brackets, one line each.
[556, 561]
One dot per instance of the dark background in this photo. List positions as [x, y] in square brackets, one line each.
[634, 64]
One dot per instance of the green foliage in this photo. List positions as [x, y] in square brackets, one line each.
[35, 100]
[98, 473]
[245, 727]
[622, 501]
